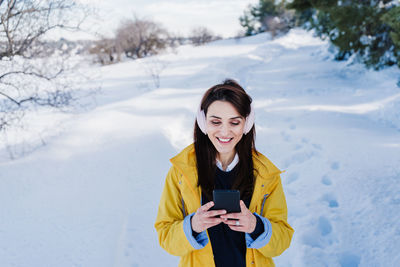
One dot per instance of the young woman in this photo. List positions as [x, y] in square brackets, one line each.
[223, 156]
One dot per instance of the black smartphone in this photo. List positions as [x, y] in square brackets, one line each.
[228, 200]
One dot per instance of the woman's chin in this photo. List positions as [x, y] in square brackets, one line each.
[224, 150]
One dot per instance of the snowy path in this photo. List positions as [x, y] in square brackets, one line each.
[90, 197]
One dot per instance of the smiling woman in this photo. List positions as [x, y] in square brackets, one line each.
[223, 157]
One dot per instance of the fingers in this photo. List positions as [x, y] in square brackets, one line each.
[236, 216]
[210, 213]
[201, 224]
[242, 206]
[204, 219]
[239, 228]
[206, 206]
[212, 220]
[212, 216]
[230, 222]
[244, 218]
[207, 218]
[213, 213]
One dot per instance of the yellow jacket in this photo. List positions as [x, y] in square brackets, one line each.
[182, 196]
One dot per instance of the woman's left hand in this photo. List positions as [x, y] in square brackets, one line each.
[246, 220]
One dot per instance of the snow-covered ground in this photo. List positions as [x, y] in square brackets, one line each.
[90, 196]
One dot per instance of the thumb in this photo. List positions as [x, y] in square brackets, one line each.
[242, 206]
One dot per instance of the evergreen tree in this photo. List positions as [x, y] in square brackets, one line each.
[267, 15]
[248, 22]
[392, 19]
[369, 29]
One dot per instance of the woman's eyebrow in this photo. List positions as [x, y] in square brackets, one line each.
[237, 117]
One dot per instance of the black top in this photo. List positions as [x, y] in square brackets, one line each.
[229, 247]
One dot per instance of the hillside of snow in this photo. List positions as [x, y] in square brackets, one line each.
[89, 197]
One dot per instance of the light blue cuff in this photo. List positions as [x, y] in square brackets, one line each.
[198, 242]
[262, 239]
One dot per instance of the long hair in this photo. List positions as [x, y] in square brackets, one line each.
[206, 153]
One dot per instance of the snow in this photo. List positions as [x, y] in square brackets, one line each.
[89, 197]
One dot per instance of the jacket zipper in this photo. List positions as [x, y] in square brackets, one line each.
[183, 208]
[263, 203]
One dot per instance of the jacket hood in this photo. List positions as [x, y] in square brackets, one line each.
[186, 161]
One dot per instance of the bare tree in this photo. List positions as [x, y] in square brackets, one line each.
[139, 38]
[202, 35]
[28, 77]
[105, 51]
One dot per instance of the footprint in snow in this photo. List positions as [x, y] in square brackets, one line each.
[330, 199]
[324, 226]
[305, 140]
[297, 147]
[318, 235]
[298, 157]
[312, 238]
[317, 146]
[335, 165]
[326, 180]
[347, 259]
[285, 136]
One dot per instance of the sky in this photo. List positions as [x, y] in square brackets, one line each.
[177, 16]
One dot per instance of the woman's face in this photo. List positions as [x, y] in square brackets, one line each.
[224, 126]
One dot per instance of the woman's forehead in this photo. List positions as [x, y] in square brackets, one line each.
[222, 110]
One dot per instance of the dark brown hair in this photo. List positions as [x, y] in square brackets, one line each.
[206, 153]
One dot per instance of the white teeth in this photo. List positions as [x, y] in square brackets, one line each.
[224, 140]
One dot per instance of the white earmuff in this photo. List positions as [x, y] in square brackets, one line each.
[201, 120]
[249, 121]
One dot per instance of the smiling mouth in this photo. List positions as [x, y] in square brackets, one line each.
[224, 141]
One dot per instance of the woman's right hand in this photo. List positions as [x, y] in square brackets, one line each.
[205, 218]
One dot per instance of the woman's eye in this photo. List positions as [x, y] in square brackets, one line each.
[218, 122]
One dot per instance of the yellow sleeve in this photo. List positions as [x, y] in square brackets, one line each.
[275, 210]
[169, 222]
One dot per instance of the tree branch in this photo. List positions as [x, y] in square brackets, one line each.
[49, 78]
[10, 98]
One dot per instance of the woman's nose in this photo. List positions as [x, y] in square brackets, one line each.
[224, 130]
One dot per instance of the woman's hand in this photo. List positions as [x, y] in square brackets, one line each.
[204, 219]
[245, 220]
